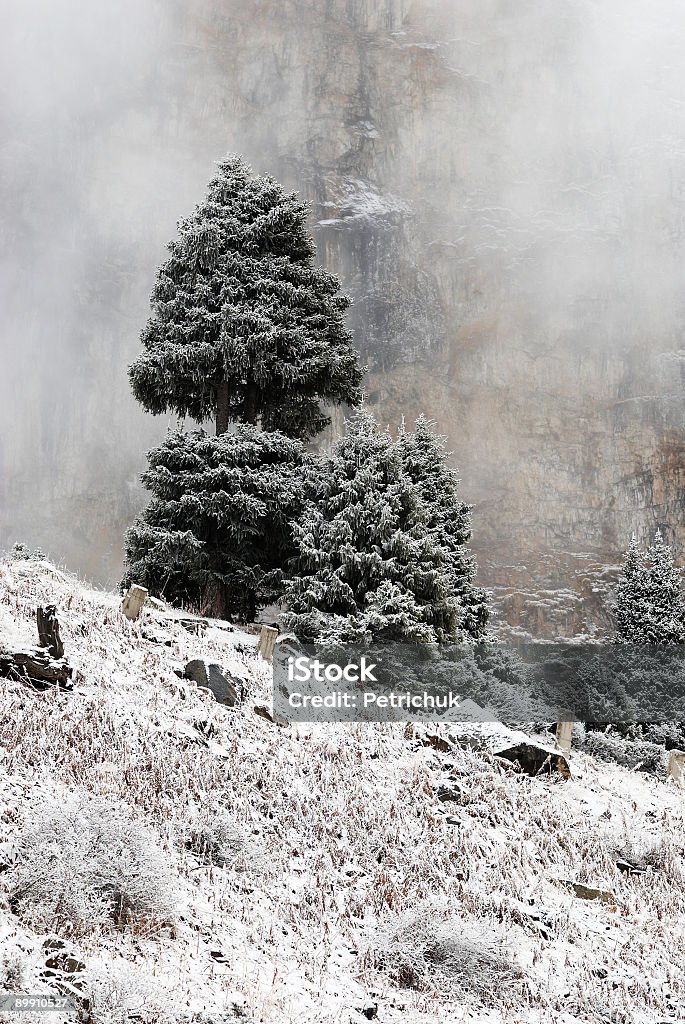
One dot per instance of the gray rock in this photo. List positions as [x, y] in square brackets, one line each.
[535, 759]
[588, 892]
[227, 689]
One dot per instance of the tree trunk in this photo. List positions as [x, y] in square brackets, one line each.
[222, 408]
[250, 404]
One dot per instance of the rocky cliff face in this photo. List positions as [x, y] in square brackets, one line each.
[501, 188]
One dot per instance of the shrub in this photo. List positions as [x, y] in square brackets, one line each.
[634, 754]
[429, 949]
[87, 865]
[117, 995]
[12, 971]
[215, 839]
[23, 553]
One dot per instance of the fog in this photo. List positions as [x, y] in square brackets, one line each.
[501, 185]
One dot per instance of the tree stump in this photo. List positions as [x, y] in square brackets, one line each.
[133, 602]
[267, 642]
[43, 666]
[48, 631]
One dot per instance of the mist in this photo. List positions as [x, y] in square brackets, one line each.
[501, 186]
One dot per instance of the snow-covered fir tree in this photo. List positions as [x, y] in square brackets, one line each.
[244, 325]
[648, 605]
[426, 461]
[376, 558]
[217, 530]
[245, 328]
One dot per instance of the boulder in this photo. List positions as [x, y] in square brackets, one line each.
[226, 688]
[535, 759]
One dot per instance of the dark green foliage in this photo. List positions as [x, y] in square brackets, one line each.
[217, 529]
[244, 328]
[448, 520]
[244, 325]
[376, 558]
[648, 605]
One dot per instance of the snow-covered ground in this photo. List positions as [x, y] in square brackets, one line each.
[359, 872]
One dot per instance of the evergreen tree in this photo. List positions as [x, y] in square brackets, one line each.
[375, 557]
[245, 327]
[648, 605]
[425, 460]
[218, 527]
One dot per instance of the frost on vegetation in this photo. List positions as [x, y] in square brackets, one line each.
[638, 755]
[214, 838]
[338, 831]
[117, 995]
[432, 949]
[663, 854]
[12, 970]
[23, 553]
[85, 865]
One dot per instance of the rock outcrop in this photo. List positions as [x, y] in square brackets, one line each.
[509, 230]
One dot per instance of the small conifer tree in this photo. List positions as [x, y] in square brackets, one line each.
[648, 605]
[375, 557]
[425, 460]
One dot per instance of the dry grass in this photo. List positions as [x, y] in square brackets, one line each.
[300, 846]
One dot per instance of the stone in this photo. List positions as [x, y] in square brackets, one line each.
[226, 688]
[42, 666]
[156, 636]
[535, 760]
[630, 869]
[436, 742]
[448, 794]
[588, 892]
[36, 667]
[133, 602]
[264, 713]
[192, 625]
[65, 962]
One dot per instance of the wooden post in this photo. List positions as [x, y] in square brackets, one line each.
[565, 736]
[133, 602]
[267, 642]
[676, 764]
[48, 631]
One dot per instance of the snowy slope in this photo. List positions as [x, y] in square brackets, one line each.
[364, 873]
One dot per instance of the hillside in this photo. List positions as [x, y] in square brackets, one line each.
[165, 858]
